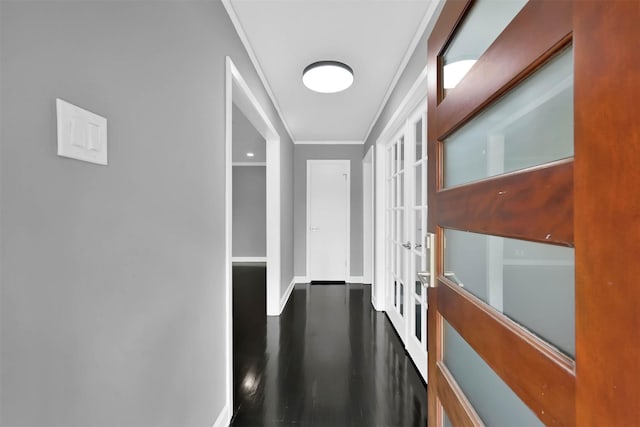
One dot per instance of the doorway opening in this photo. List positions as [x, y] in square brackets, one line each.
[239, 98]
[368, 198]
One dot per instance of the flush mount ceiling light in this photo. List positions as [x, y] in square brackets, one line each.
[327, 76]
[249, 154]
[455, 71]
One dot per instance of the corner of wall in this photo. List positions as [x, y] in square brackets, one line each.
[224, 417]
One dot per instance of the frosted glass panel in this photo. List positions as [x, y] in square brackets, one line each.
[531, 125]
[445, 419]
[496, 404]
[481, 26]
[531, 283]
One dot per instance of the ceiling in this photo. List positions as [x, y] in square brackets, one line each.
[374, 37]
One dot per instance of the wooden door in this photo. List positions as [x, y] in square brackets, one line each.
[540, 220]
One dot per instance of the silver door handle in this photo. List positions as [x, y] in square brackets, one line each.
[417, 246]
[406, 245]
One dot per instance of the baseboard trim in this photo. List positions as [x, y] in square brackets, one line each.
[287, 294]
[350, 279]
[374, 303]
[224, 418]
[249, 259]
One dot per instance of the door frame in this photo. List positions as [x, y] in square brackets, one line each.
[408, 104]
[368, 225]
[347, 163]
[237, 91]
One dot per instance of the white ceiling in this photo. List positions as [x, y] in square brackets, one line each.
[371, 36]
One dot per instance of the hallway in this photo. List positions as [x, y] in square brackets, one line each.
[328, 360]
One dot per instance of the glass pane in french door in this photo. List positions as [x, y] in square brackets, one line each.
[391, 229]
[395, 212]
[407, 219]
[400, 244]
[418, 221]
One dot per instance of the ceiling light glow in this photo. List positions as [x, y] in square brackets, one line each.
[455, 71]
[250, 154]
[327, 76]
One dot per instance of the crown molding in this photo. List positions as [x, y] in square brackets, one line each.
[254, 60]
[427, 21]
[324, 142]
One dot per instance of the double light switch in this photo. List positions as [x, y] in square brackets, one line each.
[82, 134]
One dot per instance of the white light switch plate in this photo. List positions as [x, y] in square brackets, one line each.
[82, 134]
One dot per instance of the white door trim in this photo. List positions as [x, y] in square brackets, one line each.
[237, 91]
[347, 163]
[368, 177]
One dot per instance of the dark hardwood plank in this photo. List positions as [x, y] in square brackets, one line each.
[454, 401]
[607, 217]
[545, 25]
[542, 377]
[510, 205]
[329, 360]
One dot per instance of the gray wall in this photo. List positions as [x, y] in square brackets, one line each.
[112, 278]
[249, 211]
[326, 152]
[414, 67]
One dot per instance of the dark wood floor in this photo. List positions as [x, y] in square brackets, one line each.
[329, 360]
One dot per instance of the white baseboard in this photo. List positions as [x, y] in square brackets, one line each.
[350, 279]
[249, 259]
[374, 303]
[287, 294]
[224, 418]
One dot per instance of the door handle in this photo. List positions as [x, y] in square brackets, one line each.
[417, 246]
[406, 245]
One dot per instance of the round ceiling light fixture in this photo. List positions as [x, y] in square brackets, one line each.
[327, 76]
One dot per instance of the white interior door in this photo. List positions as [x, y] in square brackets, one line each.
[396, 234]
[405, 230]
[416, 341]
[328, 219]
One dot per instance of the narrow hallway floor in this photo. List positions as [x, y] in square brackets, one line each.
[329, 360]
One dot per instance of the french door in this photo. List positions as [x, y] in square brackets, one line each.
[529, 318]
[406, 216]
